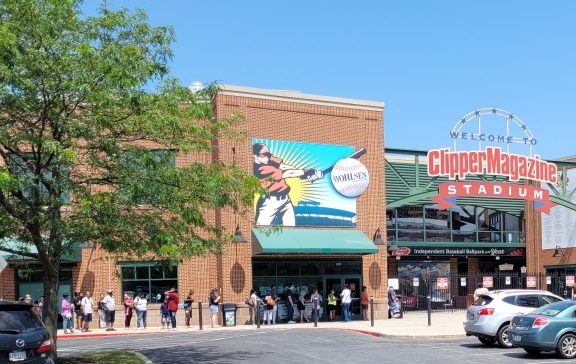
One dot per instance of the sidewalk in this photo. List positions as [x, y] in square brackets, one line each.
[414, 326]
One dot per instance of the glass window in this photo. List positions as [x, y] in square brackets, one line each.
[288, 269]
[263, 269]
[136, 278]
[351, 267]
[528, 301]
[332, 268]
[310, 268]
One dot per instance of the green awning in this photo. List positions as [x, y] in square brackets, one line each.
[313, 241]
[73, 255]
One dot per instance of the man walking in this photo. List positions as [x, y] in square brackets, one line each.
[110, 310]
[173, 300]
[346, 296]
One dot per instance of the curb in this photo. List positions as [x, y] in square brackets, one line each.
[423, 337]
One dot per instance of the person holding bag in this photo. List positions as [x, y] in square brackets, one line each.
[66, 313]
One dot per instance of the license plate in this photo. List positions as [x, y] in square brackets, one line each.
[17, 355]
[516, 338]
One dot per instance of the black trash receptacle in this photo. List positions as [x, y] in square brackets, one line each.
[228, 314]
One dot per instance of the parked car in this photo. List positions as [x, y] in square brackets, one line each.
[489, 316]
[23, 337]
[548, 328]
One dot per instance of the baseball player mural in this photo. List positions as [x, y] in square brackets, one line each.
[298, 190]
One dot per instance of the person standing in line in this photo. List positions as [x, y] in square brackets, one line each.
[480, 290]
[101, 311]
[28, 299]
[66, 312]
[164, 315]
[173, 301]
[213, 300]
[128, 309]
[316, 303]
[141, 307]
[392, 304]
[252, 306]
[346, 296]
[78, 309]
[331, 305]
[269, 304]
[275, 308]
[41, 307]
[290, 301]
[364, 301]
[87, 309]
[188, 307]
[110, 312]
[301, 304]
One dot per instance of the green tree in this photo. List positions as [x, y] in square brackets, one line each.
[90, 124]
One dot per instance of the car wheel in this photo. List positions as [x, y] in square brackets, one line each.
[503, 337]
[488, 341]
[566, 347]
[532, 351]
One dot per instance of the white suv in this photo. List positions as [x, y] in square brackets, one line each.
[488, 318]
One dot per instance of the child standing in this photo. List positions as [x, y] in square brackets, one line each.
[165, 315]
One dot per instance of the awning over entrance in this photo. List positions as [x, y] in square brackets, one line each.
[73, 255]
[313, 241]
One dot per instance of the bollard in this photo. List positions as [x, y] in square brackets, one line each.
[372, 311]
[429, 310]
[315, 311]
[199, 314]
[258, 313]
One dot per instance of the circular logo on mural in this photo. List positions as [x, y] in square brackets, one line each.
[350, 177]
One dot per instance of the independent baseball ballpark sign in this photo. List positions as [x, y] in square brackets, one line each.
[457, 165]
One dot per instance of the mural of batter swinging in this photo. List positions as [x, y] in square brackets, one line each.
[298, 189]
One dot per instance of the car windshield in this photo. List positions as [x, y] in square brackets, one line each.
[19, 320]
[553, 309]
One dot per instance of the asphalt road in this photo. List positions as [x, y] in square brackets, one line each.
[299, 346]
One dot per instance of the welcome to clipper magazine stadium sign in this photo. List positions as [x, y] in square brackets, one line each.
[492, 160]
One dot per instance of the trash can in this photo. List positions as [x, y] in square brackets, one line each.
[228, 314]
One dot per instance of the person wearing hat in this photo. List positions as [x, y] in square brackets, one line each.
[66, 312]
[110, 310]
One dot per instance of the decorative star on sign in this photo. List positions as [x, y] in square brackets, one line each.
[511, 116]
[494, 111]
[463, 121]
[477, 113]
[524, 127]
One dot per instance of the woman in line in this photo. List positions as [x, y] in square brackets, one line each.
[331, 305]
[254, 300]
[128, 308]
[301, 304]
[214, 298]
[102, 311]
[364, 300]
[78, 309]
[66, 312]
[188, 307]
[141, 306]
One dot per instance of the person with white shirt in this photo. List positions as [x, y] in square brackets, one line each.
[110, 310]
[87, 310]
[346, 296]
[141, 307]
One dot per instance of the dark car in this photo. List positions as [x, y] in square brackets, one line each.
[548, 328]
[23, 337]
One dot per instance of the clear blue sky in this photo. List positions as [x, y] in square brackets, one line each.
[430, 62]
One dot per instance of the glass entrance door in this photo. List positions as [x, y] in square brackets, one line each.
[337, 284]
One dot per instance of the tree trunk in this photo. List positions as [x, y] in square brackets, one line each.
[51, 310]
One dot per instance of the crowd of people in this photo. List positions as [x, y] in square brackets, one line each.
[79, 311]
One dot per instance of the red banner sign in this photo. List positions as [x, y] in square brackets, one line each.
[448, 191]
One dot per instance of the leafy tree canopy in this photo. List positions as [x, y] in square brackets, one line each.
[90, 127]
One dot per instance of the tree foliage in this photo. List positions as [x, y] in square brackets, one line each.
[90, 125]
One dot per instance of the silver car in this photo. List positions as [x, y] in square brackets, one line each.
[489, 316]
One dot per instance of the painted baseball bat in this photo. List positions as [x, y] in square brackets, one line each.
[357, 154]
